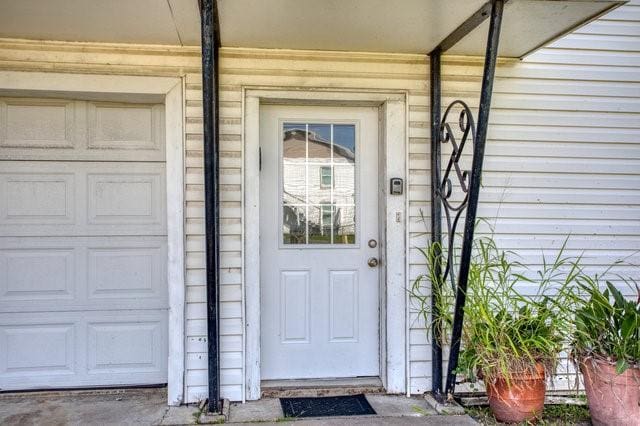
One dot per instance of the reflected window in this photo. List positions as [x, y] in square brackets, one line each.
[325, 176]
[318, 183]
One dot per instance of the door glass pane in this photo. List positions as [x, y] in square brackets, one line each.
[344, 225]
[318, 183]
[344, 141]
[344, 191]
[320, 224]
[294, 164]
[293, 224]
[319, 144]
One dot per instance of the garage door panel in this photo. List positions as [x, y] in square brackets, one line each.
[124, 272]
[43, 350]
[37, 198]
[37, 123]
[56, 129]
[83, 243]
[125, 198]
[37, 275]
[79, 199]
[131, 347]
[82, 273]
[34, 349]
[127, 127]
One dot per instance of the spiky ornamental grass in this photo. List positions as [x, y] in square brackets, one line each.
[505, 333]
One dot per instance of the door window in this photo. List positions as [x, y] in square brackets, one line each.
[318, 182]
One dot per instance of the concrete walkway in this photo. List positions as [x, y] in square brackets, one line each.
[148, 407]
[390, 409]
[104, 407]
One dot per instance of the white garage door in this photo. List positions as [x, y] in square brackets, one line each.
[83, 287]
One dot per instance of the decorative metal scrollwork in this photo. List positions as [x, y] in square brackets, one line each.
[465, 127]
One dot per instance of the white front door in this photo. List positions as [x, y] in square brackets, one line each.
[318, 232]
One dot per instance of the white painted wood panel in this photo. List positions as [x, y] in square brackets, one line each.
[319, 299]
[58, 129]
[71, 349]
[123, 73]
[83, 244]
[82, 198]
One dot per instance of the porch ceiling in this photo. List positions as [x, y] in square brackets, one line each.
[401, 26]
[398, 26]
[172, 22]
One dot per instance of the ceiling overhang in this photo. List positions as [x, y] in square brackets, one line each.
[165, 22]
[400, 26]
[407, 26]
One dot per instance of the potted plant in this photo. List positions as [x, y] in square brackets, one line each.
[606, 348]
[510, 340]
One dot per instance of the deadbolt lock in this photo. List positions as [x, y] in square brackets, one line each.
[372, 243]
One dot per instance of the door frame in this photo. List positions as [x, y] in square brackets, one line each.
[170, 92]
[393, 210]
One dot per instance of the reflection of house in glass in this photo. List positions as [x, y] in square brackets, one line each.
[318, 175]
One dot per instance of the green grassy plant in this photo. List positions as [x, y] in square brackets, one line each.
[607, 325]
[505, 333]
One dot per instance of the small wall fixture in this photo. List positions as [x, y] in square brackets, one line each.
[396, 186]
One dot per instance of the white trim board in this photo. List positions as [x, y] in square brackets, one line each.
[393, 147]
[136, 89]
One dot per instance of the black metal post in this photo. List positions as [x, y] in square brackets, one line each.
[436, 218]
[474, 190]
[210, 43]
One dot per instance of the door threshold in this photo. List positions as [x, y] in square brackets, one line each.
[320, 387]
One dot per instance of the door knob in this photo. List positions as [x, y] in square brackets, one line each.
[372, 262]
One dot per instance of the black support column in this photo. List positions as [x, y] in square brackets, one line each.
[210, 43]
[490, 61]
[436, 217]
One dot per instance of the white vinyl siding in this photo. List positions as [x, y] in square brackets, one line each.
[116, 59]
[254, 67]
[563, 152]
[563, 155]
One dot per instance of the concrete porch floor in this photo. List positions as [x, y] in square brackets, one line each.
[390, 409]
[148, 407]
[139, 406]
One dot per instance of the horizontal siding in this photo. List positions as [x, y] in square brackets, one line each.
[141, 60]
[563, 156]
[231, 310]
[249, 67]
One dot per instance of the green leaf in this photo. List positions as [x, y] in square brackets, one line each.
[621, 366]
[629, 326]
[618, 297]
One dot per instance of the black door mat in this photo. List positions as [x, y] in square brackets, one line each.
[350, 405]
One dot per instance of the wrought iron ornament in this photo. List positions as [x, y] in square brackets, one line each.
[453, 210]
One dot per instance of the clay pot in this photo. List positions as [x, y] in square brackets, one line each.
[614, 399]
[520, 400]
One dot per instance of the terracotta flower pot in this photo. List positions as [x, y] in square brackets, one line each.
[520, 400]
[614, 399]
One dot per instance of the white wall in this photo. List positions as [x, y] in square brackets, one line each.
[249, 67]
[98, 62]
[563, 155]
[563, 151]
